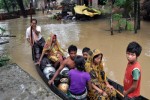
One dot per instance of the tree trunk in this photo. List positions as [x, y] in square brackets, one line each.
[138, 24]
[135, 16]
[20, 3]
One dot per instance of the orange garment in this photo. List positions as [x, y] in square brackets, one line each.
[128, 80]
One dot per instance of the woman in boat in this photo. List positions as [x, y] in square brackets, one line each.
[53, 50]
[79, 80]
[101, 89]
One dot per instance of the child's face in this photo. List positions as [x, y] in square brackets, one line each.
[85, 55]
[131, 57]
[98, 59]
[72, 54]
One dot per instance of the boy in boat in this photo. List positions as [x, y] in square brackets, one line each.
[85, 53]
[132, 78]
[36, 41]
[79, 80]
[101, 89]
[68, 62]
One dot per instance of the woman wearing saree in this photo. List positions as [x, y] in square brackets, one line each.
[101, 89]
[53, 50]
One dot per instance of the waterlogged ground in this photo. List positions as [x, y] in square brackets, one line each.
[16, 84]
[93, 34]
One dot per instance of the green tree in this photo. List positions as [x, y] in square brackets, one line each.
[21, 5]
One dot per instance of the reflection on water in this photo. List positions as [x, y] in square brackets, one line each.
[92, 34]
[147, 53]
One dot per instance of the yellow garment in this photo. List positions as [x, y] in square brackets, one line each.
[97, 78]
[53, 49]
[89, 66]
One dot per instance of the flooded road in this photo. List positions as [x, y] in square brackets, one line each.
[92, 34]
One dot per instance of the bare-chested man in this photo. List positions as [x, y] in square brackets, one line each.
[69, 62]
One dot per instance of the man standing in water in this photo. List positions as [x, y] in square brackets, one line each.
[36, 40]
[68, 62]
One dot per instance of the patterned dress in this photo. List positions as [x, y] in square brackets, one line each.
[98, 78]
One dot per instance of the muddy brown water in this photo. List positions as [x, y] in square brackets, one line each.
[92, 34]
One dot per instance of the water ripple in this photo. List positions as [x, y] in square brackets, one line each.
[66, 33]
[147, 48]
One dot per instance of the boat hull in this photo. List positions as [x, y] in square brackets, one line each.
[64, 96]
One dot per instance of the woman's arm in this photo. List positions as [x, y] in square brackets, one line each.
[89, 85]
[108, 85]
[100, 91]
[96, 88]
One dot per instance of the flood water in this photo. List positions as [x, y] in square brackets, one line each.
[92, 34]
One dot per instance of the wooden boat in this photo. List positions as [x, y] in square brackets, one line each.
[64, 96]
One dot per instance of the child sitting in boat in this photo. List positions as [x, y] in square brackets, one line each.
[79, 79]
[85, 53]
[68, 62]
[53, 50]
[101, 89]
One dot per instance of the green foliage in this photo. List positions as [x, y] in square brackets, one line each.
[126, 4]
[26, 3]
[130, 27]
[119, 3]
[1, 4]
[122, 22]
[4, 59]
[116, 17]
[2, 29]
[10, 4]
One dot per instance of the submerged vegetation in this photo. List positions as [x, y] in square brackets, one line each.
[4, 59]
[122, 16]
[122, 23]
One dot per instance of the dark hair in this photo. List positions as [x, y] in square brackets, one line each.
[134, 47]
[79, 62]
[86, 49]
[33, 20]
[90, 52]
[97, 56]
[72, 48]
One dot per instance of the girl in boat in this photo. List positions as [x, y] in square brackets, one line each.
[79, 80]
[101, 89]
[53, 50]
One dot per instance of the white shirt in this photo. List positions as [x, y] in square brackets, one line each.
[28, 32]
